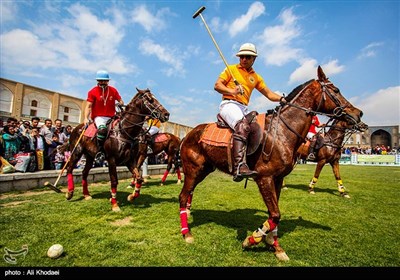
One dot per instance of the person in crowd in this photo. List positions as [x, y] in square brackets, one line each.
[64, 136]
[45, 131]
[313, 137]
[58, 127]
[235, 99]
[100, 107]
[11, 143]
[39, 145]
[59, 158]
[35, 122]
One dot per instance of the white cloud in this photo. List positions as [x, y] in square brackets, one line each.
[8, 11]
[148, 21]
[370, 50]
[242, 23]
[275, 42]
[381, 107]
[166, 55]
[308, 70]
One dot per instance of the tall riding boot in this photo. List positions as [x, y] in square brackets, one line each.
[311, 151]
[240, 170]
[101, 138]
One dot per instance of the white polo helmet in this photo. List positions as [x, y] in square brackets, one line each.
[102, 75]
[247, 49]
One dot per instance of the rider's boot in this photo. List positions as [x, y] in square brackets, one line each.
[101, 138]
[240, 168]
[311, 151]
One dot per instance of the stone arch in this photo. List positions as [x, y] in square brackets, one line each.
[36, 104]
[380, 137]
[69, 111]
[6, 99]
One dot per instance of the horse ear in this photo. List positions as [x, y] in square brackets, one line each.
[137, 90]
[321, 74]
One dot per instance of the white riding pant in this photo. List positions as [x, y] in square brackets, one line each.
[153, 130]
[310, 135]
[232, 112]
[101, 121]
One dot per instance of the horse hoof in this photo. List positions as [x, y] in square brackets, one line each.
[115, 208]
[345, 195]
[311, 191]
[69, 195]
[133, 196]
[179, 182]
[161, 184]
[285, 188]
[87, 197]
[188, 238]
[282, 256]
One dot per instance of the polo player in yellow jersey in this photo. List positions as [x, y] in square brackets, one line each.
[235, 99]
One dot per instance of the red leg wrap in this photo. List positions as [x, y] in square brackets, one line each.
[85, 187]
[70, 180]
[113, 195]
[184, 221]
[272, 225]
[178, 172]
[165, 176]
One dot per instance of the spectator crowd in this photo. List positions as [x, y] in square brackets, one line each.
[28, 146]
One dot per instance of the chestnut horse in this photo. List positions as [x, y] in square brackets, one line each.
[273, 159]
[162, 141]
[120, 145]
[331, 151]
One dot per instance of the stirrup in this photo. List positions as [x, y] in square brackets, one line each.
[100, 156]
[311, 156]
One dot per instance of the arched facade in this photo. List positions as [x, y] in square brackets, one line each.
[23, 102]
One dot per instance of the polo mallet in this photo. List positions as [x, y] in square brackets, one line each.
[54, 187]
[198, 13]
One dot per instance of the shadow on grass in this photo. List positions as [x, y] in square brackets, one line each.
[143, 201]
[332, 191]
[245, 220]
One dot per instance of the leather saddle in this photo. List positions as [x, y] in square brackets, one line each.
[256, 132]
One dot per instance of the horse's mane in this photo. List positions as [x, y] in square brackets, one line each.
[297, 90]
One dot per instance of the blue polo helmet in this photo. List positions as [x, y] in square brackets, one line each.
[102, 75]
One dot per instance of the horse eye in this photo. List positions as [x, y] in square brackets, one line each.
[336, 90]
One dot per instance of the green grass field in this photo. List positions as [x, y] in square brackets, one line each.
[321, 230]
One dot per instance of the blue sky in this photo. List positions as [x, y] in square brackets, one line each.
[59, 45]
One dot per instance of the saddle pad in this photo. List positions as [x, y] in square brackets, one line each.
[215, 136]
[91, 130]
[160, 137]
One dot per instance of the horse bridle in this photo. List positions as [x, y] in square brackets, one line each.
[155, 112]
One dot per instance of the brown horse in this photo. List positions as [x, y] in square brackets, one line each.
[331, 151]
[273, 156]
[120, 145]
[161, 142]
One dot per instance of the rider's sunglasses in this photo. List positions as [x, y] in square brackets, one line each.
[245, 56]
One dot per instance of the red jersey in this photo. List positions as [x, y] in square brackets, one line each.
[103, 103]
[314, 124]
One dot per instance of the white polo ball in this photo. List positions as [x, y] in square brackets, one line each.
[55, 251]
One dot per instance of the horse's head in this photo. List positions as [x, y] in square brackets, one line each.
[149, 105]
[334, 103]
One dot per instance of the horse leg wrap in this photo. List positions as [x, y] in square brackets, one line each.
[260, 233]
[184, 221]
[85, 187]
[137, 192]
[71, 185]
[340, 186]
[165, 176]
[178, 172]
[113, 196]
[313, 182]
